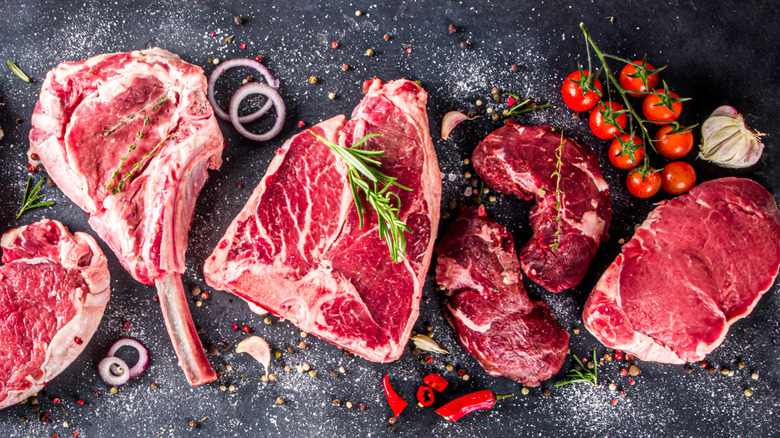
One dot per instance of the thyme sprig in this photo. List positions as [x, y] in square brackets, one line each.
[524, 107]
[558, 193]
[112, 127]
[364, 175]
[119, 186]
[584, 375]
[30, 196]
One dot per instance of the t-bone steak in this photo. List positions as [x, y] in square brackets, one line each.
[697, 264]
[129, 138]
[493, 318]
[296, 248]
[54, 287]
[571, 216]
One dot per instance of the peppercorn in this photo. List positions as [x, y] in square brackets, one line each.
[267, 320]
[740, 365]
[312, 373]
[449, 367]
[391, 428]
[754, 376]
[264, 378]
[415, 351]
[452, 28]
[290, 350]
[386, 37]
[362, 406]
[547, 393]
[78, 340]
[748, 392]
[391, 420]
[80, 402]
[336, 402]
[228, 368]
[287, 368]
[193, 424]
[464, 45]
[332, 96]
[612, 387]
[56, 400]
[279, 400]
[633, 370]
[302, 344]
[19, 122]
[495, 117]
[725, 371]
[344, 67]
[234, 326]
[358, 13]
[306, 367]
[614, 401]
[113, 390]
[312, 79]
[153, 385]
[348, 405]
[50, 182]
[525, 391]
[34, 400]
[246, 329]
[622, 393]
[466, 161]
[688, 369]
[239, 21]
[710, 369]
[370, 52]
[334, 45]
[334, 374]
[198, 303]
[301, 124]
[222, 388]
[277, 353]
[213, 351]
[623, 372]
[494, 91]
[515, 67]
[342, 370]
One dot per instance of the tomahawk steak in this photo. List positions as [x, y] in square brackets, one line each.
[129, 138]
[697, 264]
[54, 287]
[493, 318]
[296, 249]
[573, 208]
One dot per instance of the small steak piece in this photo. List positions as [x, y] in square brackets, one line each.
[296, 248]
[521, 160]
[488, 308]
[129, 137]
[698, 263]
[54, 287]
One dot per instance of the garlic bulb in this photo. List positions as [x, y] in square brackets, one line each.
[728, 142]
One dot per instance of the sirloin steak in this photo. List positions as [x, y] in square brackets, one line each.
[698, 263]
[54, 287]
[296, 248]
[521, 160]
[129, 137]
[493, 318]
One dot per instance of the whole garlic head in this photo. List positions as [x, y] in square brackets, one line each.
[728, 142]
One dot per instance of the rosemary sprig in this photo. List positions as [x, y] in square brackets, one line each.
[524, 107]
[364, 175]
[30, 196]
[17, 71]
[586, 375]
[558, 192]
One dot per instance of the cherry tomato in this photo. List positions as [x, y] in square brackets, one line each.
[673, 145]
[658, 113]
[677, 177]
[623, 160]
[601, 127]
[636, 84]
[643, 187]
[573, 95]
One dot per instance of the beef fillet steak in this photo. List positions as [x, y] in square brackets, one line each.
[493, 318]
[129, 137]
[571, 216]
[54, 287]
[698, 263]
[296, 248]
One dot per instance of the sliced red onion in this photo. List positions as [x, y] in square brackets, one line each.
[143, 354]
[273, 96]
[240, 62]
[107, 368]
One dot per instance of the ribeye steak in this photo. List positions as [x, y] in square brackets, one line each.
[54, 287]
[129, 138]
[521, 160]
[296, 248]
[493, 318]
[697, 264]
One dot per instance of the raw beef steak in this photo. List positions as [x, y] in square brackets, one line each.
[488, 308]
[54, 287]
[296, 248]
[522, 160]
[129, 138]
[698, 263]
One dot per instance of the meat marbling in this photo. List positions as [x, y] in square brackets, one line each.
[54, 287]
[697, 264]
[92, 115]
[296, 248]
[521, 160]
[493, 318]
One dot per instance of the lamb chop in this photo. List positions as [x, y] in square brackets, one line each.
[129, 138]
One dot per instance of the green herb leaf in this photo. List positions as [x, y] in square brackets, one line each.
[17, 71]
[31, 196]
[364, 175]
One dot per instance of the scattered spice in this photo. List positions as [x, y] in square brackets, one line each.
[334, 45]
[547, 393]
[754, 376]
[348, 405]
[312, 79]
[290, 350]
[332, 96]
[688, 369]
[740, 365]
[344, 67]
[239, 21]
[336, 402]
[452, 28]
[267, 320]
[153, 385]
[279, 400]
[193, 424]
[748, 392]
[464, 45]
[710, 369]
[362, 406]
[302, 344]
[232, 388]
[370, 52]
[358, 13]
[633, 370]
[113, 390]
[515, 67]
[246, 329]
[386, 37]
[334, 374]
[613, 402]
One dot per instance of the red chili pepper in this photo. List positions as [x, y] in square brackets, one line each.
[396, 402]
[424, 395]
[461, 406]
[436, 382]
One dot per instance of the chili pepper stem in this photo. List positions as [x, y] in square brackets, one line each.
[500, 396]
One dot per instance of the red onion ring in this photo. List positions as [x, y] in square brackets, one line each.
[240, 62]
[273, 96]
[105, 370]
[143, 354]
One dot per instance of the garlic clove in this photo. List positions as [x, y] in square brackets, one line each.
[728, 142]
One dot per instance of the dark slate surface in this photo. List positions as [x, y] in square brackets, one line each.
[716, 52]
